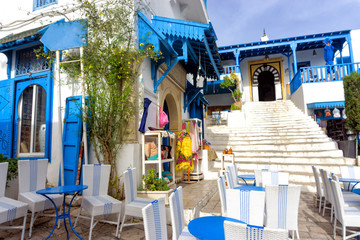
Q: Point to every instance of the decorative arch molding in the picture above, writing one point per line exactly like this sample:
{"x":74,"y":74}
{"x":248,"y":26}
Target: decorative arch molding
{"x":170,"y":96}
{"x":266,"y":68}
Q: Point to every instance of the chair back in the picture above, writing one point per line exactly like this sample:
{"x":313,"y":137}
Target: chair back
{"x":272,"y":168}
{"x":338,"y":200}
{"x":349,"y":172}
{"x":274,"y":178}
{"x":282,"y":205}
{"x":326,"y":184}
{"x":3,"y":177}
{"x":236,"y":230}
{"x":130,"y":185}
{"x":32,"y":175}
{"x":177,"y":212}
{"x":222,"y":193}
{"x":247,"y":206}
{"x":317,"y":181}
{"x":96,"y":177}
{"x":231,"y":178}
{"x":258,"y":177}
{"x":155,"y":220}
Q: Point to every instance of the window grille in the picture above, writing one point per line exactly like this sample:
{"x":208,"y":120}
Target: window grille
{"x":38,"y":4}
{"x":28,"y":63}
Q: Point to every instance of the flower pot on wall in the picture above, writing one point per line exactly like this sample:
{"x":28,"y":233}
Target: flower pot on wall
{"x":236,"y":106}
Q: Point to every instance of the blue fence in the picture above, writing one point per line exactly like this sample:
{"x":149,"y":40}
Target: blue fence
{"x":229,"y":69}
{"x":322,"y":74}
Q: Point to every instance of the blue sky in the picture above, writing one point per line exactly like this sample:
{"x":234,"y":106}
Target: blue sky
{"x":243,"y":21}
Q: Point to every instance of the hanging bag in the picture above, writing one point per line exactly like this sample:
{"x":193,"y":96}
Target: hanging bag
{"x":163,"y":118}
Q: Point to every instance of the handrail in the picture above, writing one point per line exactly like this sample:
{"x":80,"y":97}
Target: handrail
{"x":325,"y":73}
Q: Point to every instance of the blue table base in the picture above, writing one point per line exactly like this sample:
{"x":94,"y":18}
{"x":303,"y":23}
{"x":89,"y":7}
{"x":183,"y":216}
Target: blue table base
{"x":63,"y":216}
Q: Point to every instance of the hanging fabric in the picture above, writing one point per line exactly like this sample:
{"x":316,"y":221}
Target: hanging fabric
{"x":163,"y":118}
{"x":183,"y":152}
{"x":147,"y":103}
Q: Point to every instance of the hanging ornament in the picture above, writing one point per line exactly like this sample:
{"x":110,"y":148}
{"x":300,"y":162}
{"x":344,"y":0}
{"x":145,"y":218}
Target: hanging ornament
{"x":336,"y":113}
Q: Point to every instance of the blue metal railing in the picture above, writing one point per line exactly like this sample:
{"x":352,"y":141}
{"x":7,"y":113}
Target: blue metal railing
{"x":322,"y":74}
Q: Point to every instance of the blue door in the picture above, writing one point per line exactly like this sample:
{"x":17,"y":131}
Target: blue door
{"x":72,"y":134}
{"x":6,"y":116}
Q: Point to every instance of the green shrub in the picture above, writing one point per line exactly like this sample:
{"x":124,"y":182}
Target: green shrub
{"x":153,"y":183}
{"x":352,"y":101}
{"x":12,"y":168}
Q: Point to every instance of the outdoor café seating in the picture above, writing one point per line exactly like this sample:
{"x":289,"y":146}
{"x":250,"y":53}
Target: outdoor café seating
{"x":154,"y":216}
{"x":222,"y":192}
{"x":10,"y":209}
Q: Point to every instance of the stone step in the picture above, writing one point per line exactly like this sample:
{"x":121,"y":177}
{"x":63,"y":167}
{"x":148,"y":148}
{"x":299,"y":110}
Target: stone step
{"x":244,"y":154}
{"x":256,"y":129}
{"x":281,"y":147}
{"x":241,"y":141}
{"x":289,"y":134}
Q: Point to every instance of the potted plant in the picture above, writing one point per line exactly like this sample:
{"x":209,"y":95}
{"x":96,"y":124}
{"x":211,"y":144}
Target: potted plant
{"x":154,"y":187}
{"x":232,"y":83}
{"x":12,"y":173}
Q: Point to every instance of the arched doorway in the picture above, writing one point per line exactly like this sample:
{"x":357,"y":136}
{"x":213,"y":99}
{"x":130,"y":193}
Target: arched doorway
{"x":266,"y":86}
{"x":266,"y":83}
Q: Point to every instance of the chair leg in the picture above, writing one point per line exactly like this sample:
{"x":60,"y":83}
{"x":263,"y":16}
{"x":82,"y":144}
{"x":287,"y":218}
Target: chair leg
{"x":117,"y":226}
{"x":331,"y":213}
{"x":77,"y":217}
{"x":293,"y":234}
{"x":320,"y":204}
{"x":297,"y":234}
{"x":324,"y":207}
{"x":23,"y":228}
{"x":31,"y":223}
{"x":122,"y":223}
{"x":335,"y":228}
{"x":91,"y":226}
{"x":344,"y":232}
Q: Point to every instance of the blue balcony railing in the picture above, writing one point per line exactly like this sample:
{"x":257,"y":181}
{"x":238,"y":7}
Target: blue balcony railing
{"x":322,"y":74}
{"x":229,"y":69}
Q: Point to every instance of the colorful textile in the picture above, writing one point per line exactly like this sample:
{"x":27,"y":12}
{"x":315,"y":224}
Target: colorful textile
{"x":147,"y":102}
{"x":183,"y":152}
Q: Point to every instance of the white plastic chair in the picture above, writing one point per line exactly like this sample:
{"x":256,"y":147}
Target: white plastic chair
{"x":282,"y":207}
{"x":348,"y":217}
{"x":133,"y":204}
{"x":96,"y":201}
{"x":179,"y":230}
{"x":231,"y":176}
{"x":319,"y":195}
{"x":222,"y":193}
{"x":155,"y":220}
{"x":274,"y":178}
{"x":350,"y":172}
{"x":235,"y":230}
{"x":10,"y":209}
{"x":247,"y":206}
{"x":258,"y":176}
{"x":32,"y":177}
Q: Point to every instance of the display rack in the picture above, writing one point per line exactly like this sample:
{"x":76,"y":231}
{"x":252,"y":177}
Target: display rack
{"x":157,"y":136}
{"x":197,"y":174}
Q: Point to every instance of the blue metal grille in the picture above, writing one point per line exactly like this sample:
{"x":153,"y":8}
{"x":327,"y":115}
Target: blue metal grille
{"x":43,"y":3}
{"x":28,"y":63}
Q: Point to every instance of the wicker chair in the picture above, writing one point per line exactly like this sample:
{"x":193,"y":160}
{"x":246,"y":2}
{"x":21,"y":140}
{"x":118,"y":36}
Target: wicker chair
{"x":133,"y":204}
{"x":179,"y":230}
{"x":10,"y":209}
{"x":95,"y":200}
{"x":154,"y":215}
{"x":347,"y":216}
{"x":274,"y":178}
{"x":32,"y":177}
{"x":247,"y":206}
{"x":222,"y":193}
{"x":235,"y":230}
{"x":282,"y":205}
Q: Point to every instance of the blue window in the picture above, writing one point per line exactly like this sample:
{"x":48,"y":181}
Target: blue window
{"x":28,"y":63}
{"x":38,"y":4}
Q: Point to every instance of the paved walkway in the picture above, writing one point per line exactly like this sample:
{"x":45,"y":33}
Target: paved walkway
{"x":200,"y":199}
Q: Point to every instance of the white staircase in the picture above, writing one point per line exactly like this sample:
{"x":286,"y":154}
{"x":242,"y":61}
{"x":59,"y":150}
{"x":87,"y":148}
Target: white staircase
{"x":278,"y":133}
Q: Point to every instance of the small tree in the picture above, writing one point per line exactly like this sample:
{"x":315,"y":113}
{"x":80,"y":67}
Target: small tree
{"x":230,"y":82}
{"x":111,"y":70}
{"x":352,"y":102}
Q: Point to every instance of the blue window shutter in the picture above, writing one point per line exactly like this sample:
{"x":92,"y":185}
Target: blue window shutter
{"x":6,"y":116}
{"x":72,"y":134}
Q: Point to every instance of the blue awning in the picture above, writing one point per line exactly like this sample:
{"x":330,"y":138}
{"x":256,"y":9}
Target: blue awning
{"x":320,"y":105}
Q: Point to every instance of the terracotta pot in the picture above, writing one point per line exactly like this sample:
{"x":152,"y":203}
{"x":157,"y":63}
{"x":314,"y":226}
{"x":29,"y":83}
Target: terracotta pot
{"x":238,"y":104}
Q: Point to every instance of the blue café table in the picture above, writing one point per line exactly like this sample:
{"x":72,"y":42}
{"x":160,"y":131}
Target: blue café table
{"x":69,"y":189}
{"x":350,"y":180}
{"x":251,"y":188}
{"x":209,"y":227}
{"x":245,"y":177}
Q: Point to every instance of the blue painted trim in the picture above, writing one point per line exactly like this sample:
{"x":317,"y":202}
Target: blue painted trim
{"x":293,"y":46}
{"x":348,"y":39}
{"x":211,"y":57}
{"x":317,"y":105}
{"x":9,"y":55}
{"x":194,"y":56}
{"x":157,"y":82}
{"x":43,"y":6}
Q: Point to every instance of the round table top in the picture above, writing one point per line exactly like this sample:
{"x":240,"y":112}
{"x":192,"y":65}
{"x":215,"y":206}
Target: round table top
{"x":247,"y":176}
{"x":349,"y":180}
{"x":357,"y":191}
{"x":251,"y":188}
{"x":62,"y":189}
{"x":209,"y":227}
